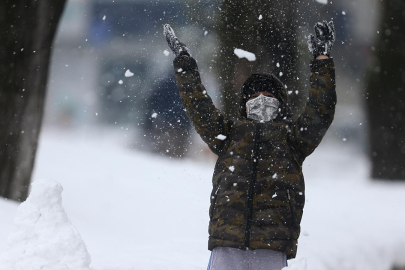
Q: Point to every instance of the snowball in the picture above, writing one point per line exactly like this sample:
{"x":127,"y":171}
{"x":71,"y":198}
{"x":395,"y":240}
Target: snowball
{"x":260,"y":17}
{"x":104,"y":18}
{"x":274,"y":176}
{"x":231,"y":168}
{"x":154,"y":115}
{"x":278,"y":65}
{"x":166,"y":52}
{"x":42,"y":236}
{"x":180,"y":70}
{"x":220,"y":137}
{"x":245,"y":54}
{"x":322,"y":1}
{"x":280,"y":74}
{"x":128,"y":73}
{"x":343,"y":12}
{"x":274,"y":195}
{"x":120,"y":82}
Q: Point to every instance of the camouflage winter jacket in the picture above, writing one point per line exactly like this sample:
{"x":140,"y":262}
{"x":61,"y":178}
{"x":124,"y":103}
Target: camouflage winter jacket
{"x":258,"y":191}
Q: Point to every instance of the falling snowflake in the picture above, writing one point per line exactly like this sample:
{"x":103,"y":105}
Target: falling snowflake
{"x":220,"y":137}
{"x":245,"y":54}
{"x":128,"y":73}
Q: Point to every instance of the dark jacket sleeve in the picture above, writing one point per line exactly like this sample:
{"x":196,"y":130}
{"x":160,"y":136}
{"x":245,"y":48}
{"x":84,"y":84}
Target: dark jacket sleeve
{"x":311,"y":126}
{"x":209,"y":122}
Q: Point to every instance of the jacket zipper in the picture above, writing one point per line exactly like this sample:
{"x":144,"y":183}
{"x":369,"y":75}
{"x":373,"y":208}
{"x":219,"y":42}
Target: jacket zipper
{"x":251,"y":186}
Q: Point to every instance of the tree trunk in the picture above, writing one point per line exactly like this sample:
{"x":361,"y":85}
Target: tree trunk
{"x":27,"y":29}
{"x":265,"y":28}
{"x":386,"y":95}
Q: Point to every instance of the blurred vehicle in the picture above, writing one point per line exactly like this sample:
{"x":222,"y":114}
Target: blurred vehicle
{"x":167,"y":127}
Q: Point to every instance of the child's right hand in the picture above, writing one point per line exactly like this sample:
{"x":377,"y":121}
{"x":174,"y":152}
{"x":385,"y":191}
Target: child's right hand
{"x":177,"y":47}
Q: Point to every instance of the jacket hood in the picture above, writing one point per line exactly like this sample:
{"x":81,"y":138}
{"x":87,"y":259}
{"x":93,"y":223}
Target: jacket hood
{"x":265,"y":82}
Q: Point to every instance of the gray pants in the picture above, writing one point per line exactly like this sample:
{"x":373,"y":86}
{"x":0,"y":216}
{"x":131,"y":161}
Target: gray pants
{"x":225,"y":258}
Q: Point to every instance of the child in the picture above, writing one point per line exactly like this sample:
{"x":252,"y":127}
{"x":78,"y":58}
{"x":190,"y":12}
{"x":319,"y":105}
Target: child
{"x":258,"y":191}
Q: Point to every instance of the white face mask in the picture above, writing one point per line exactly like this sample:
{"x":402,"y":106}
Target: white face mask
{"x":262,"y":108}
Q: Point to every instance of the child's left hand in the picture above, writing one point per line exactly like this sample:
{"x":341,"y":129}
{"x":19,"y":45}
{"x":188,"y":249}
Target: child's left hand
{"x":322,"y":43}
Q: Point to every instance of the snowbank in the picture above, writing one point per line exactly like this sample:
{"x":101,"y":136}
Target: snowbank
{"x":42,"y":236}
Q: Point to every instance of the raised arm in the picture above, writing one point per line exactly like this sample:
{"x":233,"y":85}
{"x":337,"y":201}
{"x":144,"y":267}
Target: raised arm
{"x":213,"y":127}
{"x":311,"y":126}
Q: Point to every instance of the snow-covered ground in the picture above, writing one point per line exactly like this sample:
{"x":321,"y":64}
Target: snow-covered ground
{"x":139,"y":211}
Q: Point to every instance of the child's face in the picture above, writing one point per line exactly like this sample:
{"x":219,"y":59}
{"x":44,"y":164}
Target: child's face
{"x":265,"y":93}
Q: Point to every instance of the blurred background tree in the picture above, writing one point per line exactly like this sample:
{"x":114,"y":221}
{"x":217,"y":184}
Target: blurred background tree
{"x":265,"y":28}
{"x":27,"y":29}
{"x":386,"y":95}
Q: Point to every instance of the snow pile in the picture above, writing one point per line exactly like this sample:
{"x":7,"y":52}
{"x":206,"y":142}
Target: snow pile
{"x":298,"y":264}
{"x":42,"y":236}
{"x":245,"y":54}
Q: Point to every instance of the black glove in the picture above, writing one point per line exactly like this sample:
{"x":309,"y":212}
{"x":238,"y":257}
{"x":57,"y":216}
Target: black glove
{"x":177,"y":47}
{"x":322,"y":43}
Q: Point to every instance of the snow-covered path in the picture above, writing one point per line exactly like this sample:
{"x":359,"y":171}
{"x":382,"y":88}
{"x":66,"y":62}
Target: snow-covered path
{"x":138,"y":211}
